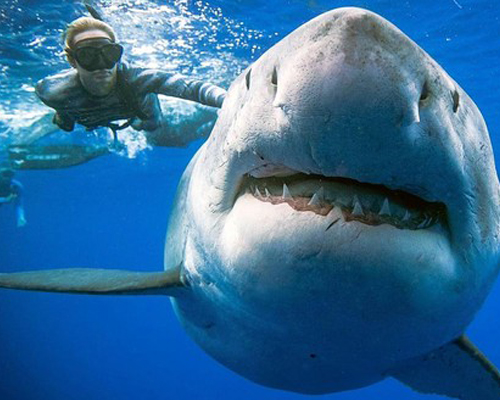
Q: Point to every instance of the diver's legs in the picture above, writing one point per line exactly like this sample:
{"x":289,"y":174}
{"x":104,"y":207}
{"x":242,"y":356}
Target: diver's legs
{"x":20,"y":217}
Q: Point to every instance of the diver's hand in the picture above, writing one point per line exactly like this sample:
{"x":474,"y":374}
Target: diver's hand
{"x":63,"y":123}
{"x":137,"y":124}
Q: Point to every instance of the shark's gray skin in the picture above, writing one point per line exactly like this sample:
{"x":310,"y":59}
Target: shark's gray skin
{"x":339,"y":226}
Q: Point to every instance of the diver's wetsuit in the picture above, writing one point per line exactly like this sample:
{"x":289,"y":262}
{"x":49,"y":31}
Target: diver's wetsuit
{"x":134,"y":96}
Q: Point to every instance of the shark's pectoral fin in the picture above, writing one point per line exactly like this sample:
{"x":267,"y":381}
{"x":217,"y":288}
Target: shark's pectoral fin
{"x":95,"y":281}
{"x":458,"y":370}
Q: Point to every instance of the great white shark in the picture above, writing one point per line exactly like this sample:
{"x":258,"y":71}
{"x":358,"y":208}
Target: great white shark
{"x":339,"y":226}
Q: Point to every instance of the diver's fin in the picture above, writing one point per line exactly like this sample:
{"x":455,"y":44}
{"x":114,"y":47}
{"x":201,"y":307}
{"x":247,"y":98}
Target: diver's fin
{"x":458,"y":370}
{"x":95,"y":281}
{"x":52,"y":156}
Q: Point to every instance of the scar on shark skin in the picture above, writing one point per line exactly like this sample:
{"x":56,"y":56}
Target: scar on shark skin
{"x":332,"y":223}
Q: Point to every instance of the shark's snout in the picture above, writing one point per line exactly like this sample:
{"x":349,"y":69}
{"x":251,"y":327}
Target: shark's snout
{"x":354,"y":99}
{"x":354,"y":63}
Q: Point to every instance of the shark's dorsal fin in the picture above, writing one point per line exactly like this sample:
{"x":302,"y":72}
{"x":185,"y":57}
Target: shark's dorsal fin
{"x":458,"y":370}
{"x":95,"y":281}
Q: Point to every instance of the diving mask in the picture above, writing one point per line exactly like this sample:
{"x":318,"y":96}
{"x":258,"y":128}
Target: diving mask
{"x":95,"y":54}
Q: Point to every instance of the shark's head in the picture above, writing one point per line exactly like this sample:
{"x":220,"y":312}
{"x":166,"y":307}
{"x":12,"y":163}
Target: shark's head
{"x":344,"y":208}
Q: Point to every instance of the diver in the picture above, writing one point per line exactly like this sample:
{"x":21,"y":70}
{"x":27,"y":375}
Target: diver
{"x":11,"y":191}
{"x":101,"y":89}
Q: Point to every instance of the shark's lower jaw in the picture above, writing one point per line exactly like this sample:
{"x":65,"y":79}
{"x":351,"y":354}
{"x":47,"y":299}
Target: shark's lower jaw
{"x":366,"y":203}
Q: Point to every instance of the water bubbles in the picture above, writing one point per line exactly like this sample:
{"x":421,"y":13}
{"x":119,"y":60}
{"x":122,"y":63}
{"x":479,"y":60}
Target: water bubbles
{"x":184,"y":34}
{"x":132,"y":143}
{"x":27,"y":88}
{"x":37,"y":41}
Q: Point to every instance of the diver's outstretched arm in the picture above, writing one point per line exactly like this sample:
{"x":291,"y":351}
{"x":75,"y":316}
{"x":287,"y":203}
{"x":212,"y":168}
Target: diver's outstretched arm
{"x":161,"y":82}
{"x":179,"y":135}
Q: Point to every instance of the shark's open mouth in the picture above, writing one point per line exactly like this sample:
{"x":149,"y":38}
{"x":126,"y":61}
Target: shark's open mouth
{"x":367,"y":203}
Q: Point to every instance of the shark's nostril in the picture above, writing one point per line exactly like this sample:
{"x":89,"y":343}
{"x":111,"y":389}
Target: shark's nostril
{"x":247,"y":78}
{"x":456,"y":100}
{"x":274,"y":77}
{"x":425,"y":93}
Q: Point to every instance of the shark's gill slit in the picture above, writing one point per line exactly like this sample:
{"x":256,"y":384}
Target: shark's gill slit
{"x":371,"y":204}
{"x":247,"y":78}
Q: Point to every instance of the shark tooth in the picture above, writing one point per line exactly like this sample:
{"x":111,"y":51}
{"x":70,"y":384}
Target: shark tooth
{"x":268,"y":195}
{"x":321,"y":193}
{"x":385,"y":210}
{"x":407,"y":216}
{"x":357,"y":211}
{"x":257,"y":192}
{"x":423,"y":224}
{"x":315,"y":201}
{"x":336,"y":213}
{"x":317,"y":197}
{"x":286,"y":193}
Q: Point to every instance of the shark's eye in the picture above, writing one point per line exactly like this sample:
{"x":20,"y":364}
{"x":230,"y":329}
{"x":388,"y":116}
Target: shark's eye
{"x":247,"y":78}
{"x":274,"y":77}
{"x":456,"y":100}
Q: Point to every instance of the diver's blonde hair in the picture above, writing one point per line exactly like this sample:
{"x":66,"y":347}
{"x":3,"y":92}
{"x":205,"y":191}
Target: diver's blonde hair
{"x":83,"y":24}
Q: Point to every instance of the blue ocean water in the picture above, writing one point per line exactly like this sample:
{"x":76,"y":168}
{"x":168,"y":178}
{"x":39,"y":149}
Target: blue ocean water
{"x":112,"y":212}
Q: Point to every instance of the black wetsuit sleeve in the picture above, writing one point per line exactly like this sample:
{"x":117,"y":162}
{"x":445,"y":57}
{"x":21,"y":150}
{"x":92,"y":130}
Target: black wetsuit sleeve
{"x":162,"y":82}
{"x":46,"y":93}
{"x":43,"y":91}
{"x":49,"y":94}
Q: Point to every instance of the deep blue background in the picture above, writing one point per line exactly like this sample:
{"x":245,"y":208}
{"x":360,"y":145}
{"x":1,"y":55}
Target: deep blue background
{"x":112,"y":212}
